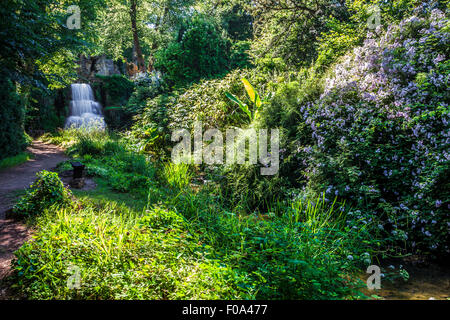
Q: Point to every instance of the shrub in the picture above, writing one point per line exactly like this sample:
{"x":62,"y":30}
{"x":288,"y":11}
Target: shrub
{"x":243,"y":186}
{"x":45,"y":109}
{"x":13,"y":139}
{"x":46,"y":191}
{"x":205,"y":101}
{"x":377,"y":133}
{"x":89,"y":142}
{"x":200,"y":51}
{"x":373,"y":129}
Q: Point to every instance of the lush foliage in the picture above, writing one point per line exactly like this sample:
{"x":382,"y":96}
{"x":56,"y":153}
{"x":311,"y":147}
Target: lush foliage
{"x":377,"y":133}
{"x":109,"y":158}
{"x":290,"y":29}
{"x":177,"y":176}
{"x":15,"y":160}
{"x":34,"y":36}
{"x":47,"y":191}
{"x":253,"y":111}
{"x":45,"y":110}
{"x":118,"y":88}
{"x":384,"y":114}
{"x":200,"y":51}
{"x":118,"y":254}
{"x":13,"y":139}
{"x":357,"y":89}
{"x":358,"y":119}
{"x":38,"y":52}
{"x":302,"y":251}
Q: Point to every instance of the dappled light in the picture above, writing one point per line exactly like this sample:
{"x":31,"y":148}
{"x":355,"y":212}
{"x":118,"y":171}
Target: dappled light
{"x":224,"y":150}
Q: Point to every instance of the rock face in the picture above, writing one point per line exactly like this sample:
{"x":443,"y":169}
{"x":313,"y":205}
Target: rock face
{"x":90,"y":66}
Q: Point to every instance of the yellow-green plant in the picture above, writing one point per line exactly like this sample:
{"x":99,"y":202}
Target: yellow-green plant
{"x":254,"y":98}
{"x":177,"y":175}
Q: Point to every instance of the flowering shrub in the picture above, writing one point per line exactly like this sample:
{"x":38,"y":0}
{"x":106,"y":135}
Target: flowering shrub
{"x":372,"y":130}
{"x":205,"y":101}
{"x":379,"y":133}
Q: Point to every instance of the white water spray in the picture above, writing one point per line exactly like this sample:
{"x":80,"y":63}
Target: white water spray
{"x":84,"y":110}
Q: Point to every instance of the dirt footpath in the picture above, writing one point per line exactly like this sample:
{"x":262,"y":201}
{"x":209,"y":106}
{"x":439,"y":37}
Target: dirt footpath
{"x":46,"y":157}
{"x":12,"y":233}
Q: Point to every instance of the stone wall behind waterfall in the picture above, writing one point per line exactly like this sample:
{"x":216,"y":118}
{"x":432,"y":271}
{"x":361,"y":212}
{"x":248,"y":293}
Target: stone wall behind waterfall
{"x":92,"y":65}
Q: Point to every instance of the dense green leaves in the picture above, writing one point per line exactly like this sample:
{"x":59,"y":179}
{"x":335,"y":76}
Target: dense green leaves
{"x":47,"y":191}
{"x":33,"y":31}
{"x":200,"y":51}
{"x":13,"y":139}
{"x":254,"y":97}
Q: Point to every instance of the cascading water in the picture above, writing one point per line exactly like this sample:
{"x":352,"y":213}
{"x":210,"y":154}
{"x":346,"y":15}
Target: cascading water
{"x":85,"y":112}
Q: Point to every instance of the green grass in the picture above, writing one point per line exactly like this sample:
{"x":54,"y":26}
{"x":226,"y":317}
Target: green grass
{"x":177,"y":176}
{"x":15,"y":160}
{"x":119,"y":254}
{"x":64,"y":138}
{"x":299,"y":254}
{"x":104,"y":193}
{"x":156,"y":238}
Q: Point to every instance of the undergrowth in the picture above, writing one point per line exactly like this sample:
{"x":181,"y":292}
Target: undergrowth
{"x":184,"y":242}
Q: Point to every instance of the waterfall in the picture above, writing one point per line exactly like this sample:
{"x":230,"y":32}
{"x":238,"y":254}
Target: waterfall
{"x":84,"y":110}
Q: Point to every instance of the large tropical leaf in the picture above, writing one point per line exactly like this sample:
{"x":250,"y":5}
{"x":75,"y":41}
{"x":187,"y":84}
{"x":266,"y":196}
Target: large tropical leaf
{"x":242,"y":105}
{"x":250,"y":90}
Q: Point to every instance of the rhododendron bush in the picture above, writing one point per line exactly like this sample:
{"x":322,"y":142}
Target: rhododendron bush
{"x":379,"y":133}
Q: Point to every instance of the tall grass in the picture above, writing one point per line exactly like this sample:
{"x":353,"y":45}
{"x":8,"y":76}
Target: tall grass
{"x":298,"y":254}
{"x":118,"y":254}
{"x":177,"y":176}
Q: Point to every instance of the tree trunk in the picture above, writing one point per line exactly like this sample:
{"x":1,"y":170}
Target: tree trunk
{"x":137,"y":46}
